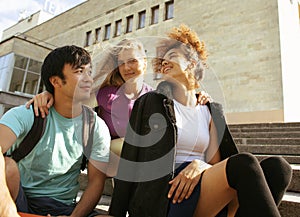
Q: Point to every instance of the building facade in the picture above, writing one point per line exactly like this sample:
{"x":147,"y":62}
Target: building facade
{"x":253,"y":48}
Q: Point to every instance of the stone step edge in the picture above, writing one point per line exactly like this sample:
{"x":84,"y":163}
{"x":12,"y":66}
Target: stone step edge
{"x":291,"y":197}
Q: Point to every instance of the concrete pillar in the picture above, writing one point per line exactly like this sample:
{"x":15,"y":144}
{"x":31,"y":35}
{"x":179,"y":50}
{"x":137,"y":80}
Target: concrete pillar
{"x":290,"y":52}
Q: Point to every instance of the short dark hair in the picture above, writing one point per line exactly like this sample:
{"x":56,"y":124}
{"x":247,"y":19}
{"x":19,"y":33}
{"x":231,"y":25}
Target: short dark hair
{"x":54,"y":63}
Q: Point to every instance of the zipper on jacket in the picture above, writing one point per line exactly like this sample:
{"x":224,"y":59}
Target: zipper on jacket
{"x":167,"y":104}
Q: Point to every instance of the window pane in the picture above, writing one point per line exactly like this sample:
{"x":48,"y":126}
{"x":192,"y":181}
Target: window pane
{"x":169,"y":10}
{"x":142,"y":17}
{"x":21,"y":62}
{"x":88,"y":41}
{"x":35,"y":66}
{"x":41,"y":87}
{"x":31,"y":83}
{"x":16,"y":80}
{"x":98,"y":34}
{"x":155,"y":14}
{"x":129,"y":24}
{"x":107,"y":32}
{"x":118,"y":29}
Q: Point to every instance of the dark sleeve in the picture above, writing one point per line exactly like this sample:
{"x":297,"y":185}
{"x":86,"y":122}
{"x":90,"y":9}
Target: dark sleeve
{"x":141,"y":188}
{"x":225,"y":140}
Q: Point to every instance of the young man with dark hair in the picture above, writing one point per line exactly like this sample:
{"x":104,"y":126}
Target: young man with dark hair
{"x":46,"y":180}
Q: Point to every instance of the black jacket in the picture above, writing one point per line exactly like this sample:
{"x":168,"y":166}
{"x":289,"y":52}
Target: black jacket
{"x":148,"y":156}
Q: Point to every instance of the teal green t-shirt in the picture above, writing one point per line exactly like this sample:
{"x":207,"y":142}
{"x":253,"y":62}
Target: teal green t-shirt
{"x":52,"y":168}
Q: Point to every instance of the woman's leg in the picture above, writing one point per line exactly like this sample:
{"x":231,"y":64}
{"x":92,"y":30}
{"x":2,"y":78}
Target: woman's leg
{"x":12,"y":177}
{"x":7,"y":205}
{"x":244,"y":173}
{"x":215,"y":191}
{"x":278,"y":174}
{"x":251,"y":180}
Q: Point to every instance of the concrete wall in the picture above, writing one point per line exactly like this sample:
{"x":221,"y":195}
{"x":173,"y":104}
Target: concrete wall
{"x":243,"y":39}
{"x":26,"y":24}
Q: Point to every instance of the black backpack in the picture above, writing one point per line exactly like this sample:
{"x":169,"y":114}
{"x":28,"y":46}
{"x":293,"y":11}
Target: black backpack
{"x":37,"y":130}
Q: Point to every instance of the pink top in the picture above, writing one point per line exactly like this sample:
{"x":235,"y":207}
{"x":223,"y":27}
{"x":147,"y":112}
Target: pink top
{"x":115,"y":108}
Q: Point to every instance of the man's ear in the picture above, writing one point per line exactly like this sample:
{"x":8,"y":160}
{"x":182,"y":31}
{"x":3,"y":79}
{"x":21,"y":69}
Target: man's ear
{"x":55,"y":81}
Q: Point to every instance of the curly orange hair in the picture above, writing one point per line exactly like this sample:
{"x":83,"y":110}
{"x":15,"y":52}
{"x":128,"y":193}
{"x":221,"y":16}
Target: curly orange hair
{"x":181,"y":35}
{"x":185,"y":35}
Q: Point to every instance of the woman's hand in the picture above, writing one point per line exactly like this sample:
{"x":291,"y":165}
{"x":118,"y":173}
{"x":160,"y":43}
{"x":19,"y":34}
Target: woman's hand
{"x":203,"y":98}
{"x":184,"y":183}
{"x":42,"y":102}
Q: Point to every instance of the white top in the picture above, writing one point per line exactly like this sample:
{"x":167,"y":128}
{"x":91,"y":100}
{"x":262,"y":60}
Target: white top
{"x":193,"y":132}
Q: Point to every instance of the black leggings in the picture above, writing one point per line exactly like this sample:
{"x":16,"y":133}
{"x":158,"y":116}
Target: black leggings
{"x":260,"y":186}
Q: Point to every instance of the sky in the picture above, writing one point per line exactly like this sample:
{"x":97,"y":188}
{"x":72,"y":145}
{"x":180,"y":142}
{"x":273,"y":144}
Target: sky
{"x":12,"y":10}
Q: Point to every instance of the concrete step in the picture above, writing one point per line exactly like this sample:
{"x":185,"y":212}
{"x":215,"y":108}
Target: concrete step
{"x":264,"y":129}
{"x":274,"y":139}
{"x":270,"y":149}
{"x":292,"y":159}
{"x":268,"y":141}
{"x":290,"y":205}
{"x":103,"y":204}
{"x":268,"y":134}
{"x":265,"y":125}
{"x":295,"y":182}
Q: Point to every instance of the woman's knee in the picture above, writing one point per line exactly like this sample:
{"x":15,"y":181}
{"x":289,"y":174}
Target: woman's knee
{"x":242,"y":166}
{"x":11,"y":171}
{"x":278,"y":170}
{"x":277,"y":165}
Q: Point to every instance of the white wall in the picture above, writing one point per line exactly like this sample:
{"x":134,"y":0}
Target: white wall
{"x":290,"y":58}
{"x":6,"y":71}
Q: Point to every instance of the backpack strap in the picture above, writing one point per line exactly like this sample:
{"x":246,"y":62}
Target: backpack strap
{"x":31,"y":139}
{"x":38,"y":128}
{"x":88,"y":127}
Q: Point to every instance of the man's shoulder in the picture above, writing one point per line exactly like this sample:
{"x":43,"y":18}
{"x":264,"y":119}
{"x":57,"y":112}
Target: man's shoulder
{"x":22,"y":108}
{"x":20,"y":111}
{"x":19,"y":119}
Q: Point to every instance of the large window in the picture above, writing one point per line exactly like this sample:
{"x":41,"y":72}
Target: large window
{"x":88,"y":39}
{"x":118,"y":28}
{"x":129,"y":23}
{"x":142,"y":18}
{"x":107,"y":31}
{"x":154,"y":14}
{"x":26,"y":76}
{"x":169,"y":13}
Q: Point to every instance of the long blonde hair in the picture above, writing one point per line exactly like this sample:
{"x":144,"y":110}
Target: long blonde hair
{"x":114,"y":78}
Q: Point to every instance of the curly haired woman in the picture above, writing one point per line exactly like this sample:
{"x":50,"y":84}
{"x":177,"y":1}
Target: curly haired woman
{"x":179,"y":159}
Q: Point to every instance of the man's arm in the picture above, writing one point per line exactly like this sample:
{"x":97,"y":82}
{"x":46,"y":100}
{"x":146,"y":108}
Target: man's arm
{"x":7,"y":137}
{"x":93,"y":192}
